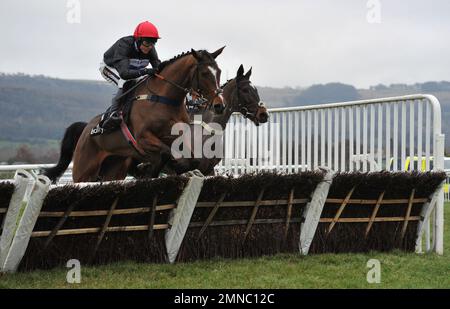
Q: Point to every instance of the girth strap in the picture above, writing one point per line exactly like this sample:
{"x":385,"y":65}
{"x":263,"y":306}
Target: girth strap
{"x":158,"y":99}
{"x":130,"y":138}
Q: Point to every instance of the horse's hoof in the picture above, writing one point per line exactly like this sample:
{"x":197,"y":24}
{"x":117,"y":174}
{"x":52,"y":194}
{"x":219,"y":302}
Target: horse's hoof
{"x":143,"y":170}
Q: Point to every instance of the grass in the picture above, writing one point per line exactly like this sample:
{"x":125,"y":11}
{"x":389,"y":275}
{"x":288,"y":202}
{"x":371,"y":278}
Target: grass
{"x":398,"y":270}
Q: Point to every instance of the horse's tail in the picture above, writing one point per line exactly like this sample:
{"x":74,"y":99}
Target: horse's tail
{"x":68,"y":144}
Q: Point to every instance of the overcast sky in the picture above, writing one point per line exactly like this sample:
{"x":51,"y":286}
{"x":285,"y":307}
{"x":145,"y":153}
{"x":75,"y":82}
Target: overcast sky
{"x":288,"y":43}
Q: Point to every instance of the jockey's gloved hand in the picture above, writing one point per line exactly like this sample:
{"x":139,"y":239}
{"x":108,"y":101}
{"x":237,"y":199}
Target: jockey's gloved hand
{"x":147,"y":71}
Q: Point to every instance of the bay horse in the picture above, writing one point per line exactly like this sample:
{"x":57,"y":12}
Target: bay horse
{"x":240,"y":96}
{"x":150,"y":122}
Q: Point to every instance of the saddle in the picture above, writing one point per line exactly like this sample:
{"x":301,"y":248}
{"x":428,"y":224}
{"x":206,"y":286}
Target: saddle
{"x":127,"y":101}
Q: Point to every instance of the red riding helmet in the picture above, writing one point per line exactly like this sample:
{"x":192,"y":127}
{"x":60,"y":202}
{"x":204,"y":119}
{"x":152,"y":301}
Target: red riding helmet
{"x":146,"y":30}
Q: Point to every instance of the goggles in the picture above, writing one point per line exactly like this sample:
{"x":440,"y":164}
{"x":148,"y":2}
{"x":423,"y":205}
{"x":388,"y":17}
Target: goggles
{"x":147,"y":42}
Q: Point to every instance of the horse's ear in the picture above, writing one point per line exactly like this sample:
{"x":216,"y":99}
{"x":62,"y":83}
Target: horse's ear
{"x":196,"y":54}
{"x":249,"y":73}
{"x":217,"y":52}
{"x":240,"y":72}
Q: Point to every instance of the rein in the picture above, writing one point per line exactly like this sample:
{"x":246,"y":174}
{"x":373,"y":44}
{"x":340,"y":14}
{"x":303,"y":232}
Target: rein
{"x":161,"y":99}
{"x":185,"y":90}
{"x":165,"y":100}
{"x":135,"y":86}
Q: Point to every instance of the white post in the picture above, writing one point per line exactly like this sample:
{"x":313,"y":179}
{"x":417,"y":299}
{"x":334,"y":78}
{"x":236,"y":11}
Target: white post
{"x":17,"y":202}
{"x":313,"y":211}
{"x":425,"y":214}
{"x":26,"y":220}
{"x":180,"y":217}
{"x":439,"y":213}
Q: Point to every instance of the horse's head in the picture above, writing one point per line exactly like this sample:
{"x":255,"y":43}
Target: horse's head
{"x":206,"y":78}
{"x":246,"y":98}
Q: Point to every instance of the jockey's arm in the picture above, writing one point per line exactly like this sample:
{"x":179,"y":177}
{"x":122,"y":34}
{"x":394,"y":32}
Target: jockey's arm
{"x":123,"y":65}
{"x":125,"y":72}
{"x":122,"y":62}
{"x":154,"y":59}
{"x":128,"y":71}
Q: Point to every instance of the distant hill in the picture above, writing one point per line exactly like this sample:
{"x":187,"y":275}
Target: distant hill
{"x":35,"y":108}
{"x":40,"y":107}
{"x":316,"y":94}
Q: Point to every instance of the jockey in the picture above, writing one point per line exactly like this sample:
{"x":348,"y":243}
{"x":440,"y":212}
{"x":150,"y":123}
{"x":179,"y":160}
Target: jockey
{"x":128,"y":59}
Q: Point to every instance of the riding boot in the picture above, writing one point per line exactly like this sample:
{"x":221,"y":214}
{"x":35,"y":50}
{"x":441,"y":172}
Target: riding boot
{"x":114,"y":118}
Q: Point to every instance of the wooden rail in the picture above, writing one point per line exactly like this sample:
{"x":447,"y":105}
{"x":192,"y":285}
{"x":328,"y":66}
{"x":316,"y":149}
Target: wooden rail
{"x":93,"y":230}
{"x":290,"y":217}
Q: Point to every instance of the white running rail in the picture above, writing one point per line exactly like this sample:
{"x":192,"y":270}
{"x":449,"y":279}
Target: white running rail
{"x":366,"y":135}
{"x":37,"y":168}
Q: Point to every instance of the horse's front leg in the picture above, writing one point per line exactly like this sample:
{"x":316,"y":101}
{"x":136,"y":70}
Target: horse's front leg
{"x":157,"y":153}
{"x":115,"y":168}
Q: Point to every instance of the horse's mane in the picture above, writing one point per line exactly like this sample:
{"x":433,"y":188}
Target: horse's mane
{"x":165,"y":63}
{"x":227,"y":82}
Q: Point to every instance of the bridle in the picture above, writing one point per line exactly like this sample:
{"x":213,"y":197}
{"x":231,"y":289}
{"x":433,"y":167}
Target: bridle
{"x":197,"y":91}
{"x":193,"y":91}
{"x":240,"y":108}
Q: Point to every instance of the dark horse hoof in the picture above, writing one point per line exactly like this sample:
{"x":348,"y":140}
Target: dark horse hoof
{"x":183,"y":166}
{"x":143,"y":170}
